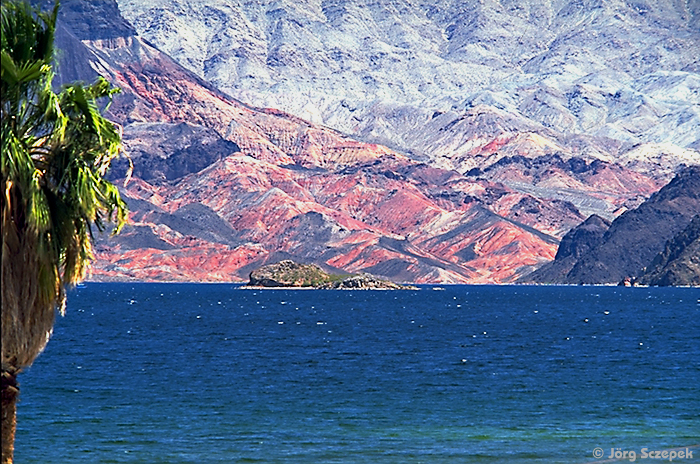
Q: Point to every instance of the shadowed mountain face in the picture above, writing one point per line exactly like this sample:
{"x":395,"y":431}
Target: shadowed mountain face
{"x":458,"y":83}
{"x":575,"y":244}
{"x":599,"y":252}
{"x":163,"y":152}
{"x":221,"y":187}
{"x":679,"y":262}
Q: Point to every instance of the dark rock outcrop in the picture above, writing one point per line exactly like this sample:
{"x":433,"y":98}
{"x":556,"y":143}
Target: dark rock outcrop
{"x":105,"y":20}
{"x":163,"y":152}
{"x":679,"y":262}
{"x":631,"y":242}
{"x":573,"y":246}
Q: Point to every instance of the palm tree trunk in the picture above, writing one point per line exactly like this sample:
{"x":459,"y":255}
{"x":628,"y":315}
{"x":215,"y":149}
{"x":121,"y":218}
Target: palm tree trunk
{"x":10,"y":391}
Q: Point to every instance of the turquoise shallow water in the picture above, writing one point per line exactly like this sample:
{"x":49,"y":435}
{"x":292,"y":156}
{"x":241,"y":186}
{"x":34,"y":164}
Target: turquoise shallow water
{"x":197,"y":373}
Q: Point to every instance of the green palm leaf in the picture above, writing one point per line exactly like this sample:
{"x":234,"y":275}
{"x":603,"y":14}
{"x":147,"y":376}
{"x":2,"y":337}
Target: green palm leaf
{"x":56,"y":149}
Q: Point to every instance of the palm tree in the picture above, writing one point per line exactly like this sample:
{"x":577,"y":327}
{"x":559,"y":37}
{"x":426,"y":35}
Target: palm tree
{"x":56,"y":149}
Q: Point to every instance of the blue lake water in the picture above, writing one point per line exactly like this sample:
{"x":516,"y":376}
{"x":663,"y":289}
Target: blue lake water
{"x":197,"y":373}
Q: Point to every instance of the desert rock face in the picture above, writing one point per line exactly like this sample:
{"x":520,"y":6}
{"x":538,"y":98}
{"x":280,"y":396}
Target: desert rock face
{"x":575,"y":244}
{"x":656,"y":241}
{"x":679,"y":262}
{"x":222,"y":187}
{"x":457,"y":83}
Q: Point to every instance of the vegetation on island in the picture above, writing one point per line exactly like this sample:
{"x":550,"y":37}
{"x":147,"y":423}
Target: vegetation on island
{"x":56,"y":149}
{"x":287,"y":273}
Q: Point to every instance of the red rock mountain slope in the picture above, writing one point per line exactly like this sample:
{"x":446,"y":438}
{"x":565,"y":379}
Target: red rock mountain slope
{"x":220,"y":188}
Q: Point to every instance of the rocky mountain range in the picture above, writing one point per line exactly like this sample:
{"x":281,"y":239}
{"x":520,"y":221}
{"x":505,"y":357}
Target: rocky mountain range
{"x":460,"y":84}
{"x":221,"y":187}
{"x":655,"y":243}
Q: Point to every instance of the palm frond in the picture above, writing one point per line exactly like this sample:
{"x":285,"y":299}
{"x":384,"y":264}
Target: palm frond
{"x":56,"y":149}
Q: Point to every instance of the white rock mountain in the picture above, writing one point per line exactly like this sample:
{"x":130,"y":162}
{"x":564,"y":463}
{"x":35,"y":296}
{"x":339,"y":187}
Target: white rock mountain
{"x":459,"y":83}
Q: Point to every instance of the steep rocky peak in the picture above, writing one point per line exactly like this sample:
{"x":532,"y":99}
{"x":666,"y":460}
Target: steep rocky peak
{"x":685,"y":183}
{"x":601,"y":252}
{"x":583,"y":238}
{"x":105,"y":21}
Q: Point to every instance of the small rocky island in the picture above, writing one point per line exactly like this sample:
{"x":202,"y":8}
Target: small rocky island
{"x":287,"y":273}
